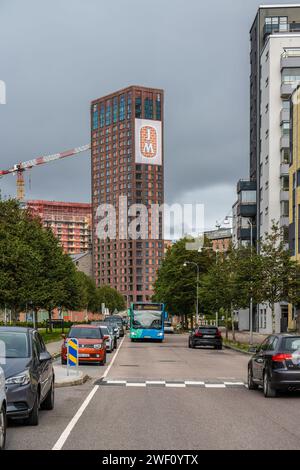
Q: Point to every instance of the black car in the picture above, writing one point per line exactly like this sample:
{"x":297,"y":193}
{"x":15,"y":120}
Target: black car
{"x":276,"y":365}
{"x":118,"y":320}
{"x":29,"y":375}
{"x":206,"y":336}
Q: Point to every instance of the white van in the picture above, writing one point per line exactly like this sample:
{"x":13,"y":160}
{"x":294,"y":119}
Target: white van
{"x":2,"y":410}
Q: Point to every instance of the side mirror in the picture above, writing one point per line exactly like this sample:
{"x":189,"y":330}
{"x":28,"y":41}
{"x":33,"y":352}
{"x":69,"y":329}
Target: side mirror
{"x":45,"y":356}
{"x":253,"y":349}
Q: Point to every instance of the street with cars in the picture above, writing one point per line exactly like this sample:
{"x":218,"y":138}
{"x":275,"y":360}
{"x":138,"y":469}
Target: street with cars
{"x":174,"y":394}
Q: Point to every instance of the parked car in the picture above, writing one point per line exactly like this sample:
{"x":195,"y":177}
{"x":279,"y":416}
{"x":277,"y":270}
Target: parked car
{"x":168,"y":327}
{"x":29,"y":374}
{"x":118,"y":320}
{"x":91,"y":341}
{"x":115,"y":326}
{"x":276,"y":365}
{"x":113,"y":332}
{"x":206,"y":336}
{"x":3,"y":421}
{"x":106,"y":331}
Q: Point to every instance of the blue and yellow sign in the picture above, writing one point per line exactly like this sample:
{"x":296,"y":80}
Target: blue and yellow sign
{"x":73,"y":349}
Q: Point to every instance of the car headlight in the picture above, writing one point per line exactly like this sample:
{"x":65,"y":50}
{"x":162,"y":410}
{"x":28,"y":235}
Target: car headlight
{"x":159,"y":334}
{"x":20,"y":379}
{"x":97,"y":346}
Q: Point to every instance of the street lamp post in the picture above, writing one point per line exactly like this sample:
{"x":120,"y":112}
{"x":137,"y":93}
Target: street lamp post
{"x":197,"y":290}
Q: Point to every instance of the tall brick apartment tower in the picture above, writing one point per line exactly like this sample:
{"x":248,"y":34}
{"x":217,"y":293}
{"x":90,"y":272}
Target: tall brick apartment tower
{"x":127,"y":160}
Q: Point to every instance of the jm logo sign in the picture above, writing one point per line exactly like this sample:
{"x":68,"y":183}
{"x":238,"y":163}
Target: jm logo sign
{"x":2,"y":92}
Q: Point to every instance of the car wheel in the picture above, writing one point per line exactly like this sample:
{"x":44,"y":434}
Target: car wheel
{"x":3,"y":425}
{"x":190,"y":343}
{"x":33,"y":419}
{"x":269,"y":391}
{"x":48,"y":403}
{"x":251,"y":385}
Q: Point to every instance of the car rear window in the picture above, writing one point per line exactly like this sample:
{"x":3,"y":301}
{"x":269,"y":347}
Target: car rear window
{"x":86,"y":333}
{"x":207,"y":330}
{"x":290,"y":344}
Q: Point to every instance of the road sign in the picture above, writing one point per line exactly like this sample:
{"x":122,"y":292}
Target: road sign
{"x":72,"y":353}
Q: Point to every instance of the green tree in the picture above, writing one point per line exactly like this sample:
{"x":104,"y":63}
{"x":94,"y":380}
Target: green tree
{"x":112,"y":299}
{"x":176,"y":285}
{"x":280,"y":274}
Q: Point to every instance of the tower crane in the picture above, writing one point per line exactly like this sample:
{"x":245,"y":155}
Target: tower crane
{"x":20,"y":168}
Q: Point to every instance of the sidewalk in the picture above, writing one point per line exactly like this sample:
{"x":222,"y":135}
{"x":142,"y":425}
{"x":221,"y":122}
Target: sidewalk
{"x":243,"y":337}
{"x":54,"y":348}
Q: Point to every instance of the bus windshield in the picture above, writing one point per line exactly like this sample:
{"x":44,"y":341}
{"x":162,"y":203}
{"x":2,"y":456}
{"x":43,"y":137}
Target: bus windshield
{"x":147,"y":319}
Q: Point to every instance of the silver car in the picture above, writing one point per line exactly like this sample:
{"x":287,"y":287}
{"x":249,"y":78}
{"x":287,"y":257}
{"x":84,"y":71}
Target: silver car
{"x":2,"y":410}
{"x":110,"y":343}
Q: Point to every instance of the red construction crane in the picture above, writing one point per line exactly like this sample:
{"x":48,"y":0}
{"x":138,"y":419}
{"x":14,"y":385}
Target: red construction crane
{"x":19,"y":168}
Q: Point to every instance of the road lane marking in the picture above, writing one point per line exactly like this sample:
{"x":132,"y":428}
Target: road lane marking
{"x":137,"y":384}
{"x":170,"y":385}
{"x":193,"y":382}
{"x":155,"y":382}
{"x":112,"y":382}
{"x":215,"y":386}
{"x":64,"y":436}
{"x":234,"y":383}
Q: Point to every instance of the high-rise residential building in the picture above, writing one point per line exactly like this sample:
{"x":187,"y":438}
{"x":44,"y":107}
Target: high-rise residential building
{"x":127,"y":170}
{"x":71,"y":223}
{"x":264,"y":198}
{"x":294,"y":195}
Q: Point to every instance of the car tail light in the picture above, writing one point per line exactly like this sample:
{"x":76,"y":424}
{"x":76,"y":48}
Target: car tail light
{"x":198,"y":333}
{"x":218,"y":334}
{"x":281,"y":357}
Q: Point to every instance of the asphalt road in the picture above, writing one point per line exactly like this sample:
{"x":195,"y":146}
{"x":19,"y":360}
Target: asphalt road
{"x":165,"y":396}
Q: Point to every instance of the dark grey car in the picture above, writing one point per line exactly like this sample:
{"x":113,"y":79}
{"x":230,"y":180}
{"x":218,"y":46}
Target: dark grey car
{"x":29,"y":374}
{"x":276,"y":365}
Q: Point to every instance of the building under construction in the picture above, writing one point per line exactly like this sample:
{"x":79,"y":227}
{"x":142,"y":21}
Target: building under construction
{"x":70,"y":222}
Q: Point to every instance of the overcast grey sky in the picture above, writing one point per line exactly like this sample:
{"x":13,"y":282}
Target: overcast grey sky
{"x":58,"y":55}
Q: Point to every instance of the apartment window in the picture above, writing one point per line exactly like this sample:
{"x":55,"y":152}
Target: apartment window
{"x":290,"y":75}
{"x":158,"y":107}
{"x":95,"y":117}
{"x":286,"y":104}
{"x":284,"y":209}
{"x":115,"y":110}
{"x":108,"y":113}
{"x":285,"y":183}
{"x":285,"y":155}
{"x":148,"y":108}
{"x":285,"y":128}
{"x":138,"y":107}
{"x":122,"y":107}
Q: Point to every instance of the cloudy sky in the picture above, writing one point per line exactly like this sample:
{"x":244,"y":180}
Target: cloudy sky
{"x":58,"y":55}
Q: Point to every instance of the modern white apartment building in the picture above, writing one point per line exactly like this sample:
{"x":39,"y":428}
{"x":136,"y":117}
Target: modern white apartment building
{"x":274,"y":72}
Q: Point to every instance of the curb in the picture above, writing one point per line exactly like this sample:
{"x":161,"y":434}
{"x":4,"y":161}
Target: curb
{"x":238,"y":350}
{"x":78,"y":381}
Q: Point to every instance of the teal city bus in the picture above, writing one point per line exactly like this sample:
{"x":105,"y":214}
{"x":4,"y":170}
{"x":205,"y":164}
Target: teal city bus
{"x":147,"y":321}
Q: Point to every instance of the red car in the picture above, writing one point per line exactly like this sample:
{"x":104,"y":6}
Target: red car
{"x":92,"y":344}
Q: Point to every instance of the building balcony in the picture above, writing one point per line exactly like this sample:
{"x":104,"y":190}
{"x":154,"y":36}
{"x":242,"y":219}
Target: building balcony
{"x":284,"y":221}
{"x":284,"y":115}
{"x":285,"y":141}
{"x":289,"y":61}
{"x":244,"y":233}
{"x":286,"y":89}
{"x":284,"y":169}
{"x":246,"y":185}
{"x":246,"y":209}
{"x":284,"y":195}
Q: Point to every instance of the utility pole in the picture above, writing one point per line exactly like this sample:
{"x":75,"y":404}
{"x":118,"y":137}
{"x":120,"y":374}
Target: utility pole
{"x":197,"y":288}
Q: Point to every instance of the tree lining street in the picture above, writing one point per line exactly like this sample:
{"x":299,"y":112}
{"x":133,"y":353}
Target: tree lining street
{"x":122,"y":417}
